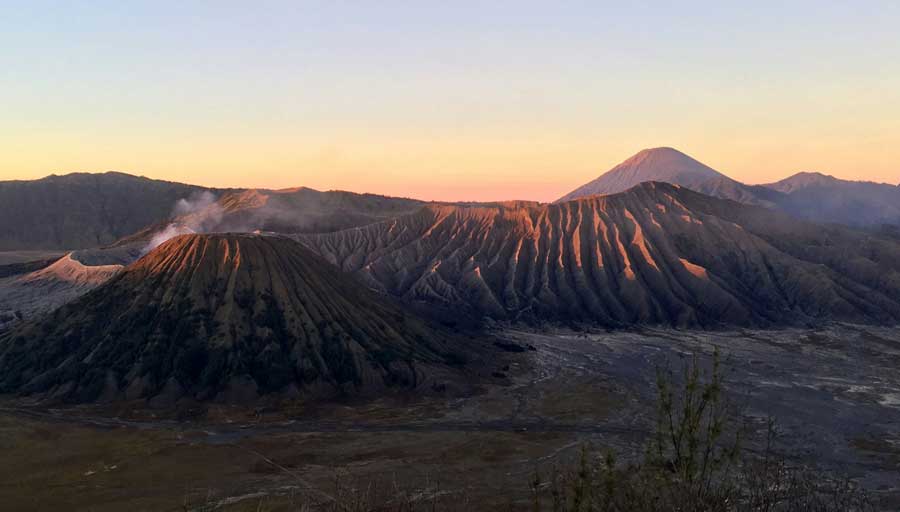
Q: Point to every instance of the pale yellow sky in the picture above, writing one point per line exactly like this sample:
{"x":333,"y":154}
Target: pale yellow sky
{"x":447,"y":101}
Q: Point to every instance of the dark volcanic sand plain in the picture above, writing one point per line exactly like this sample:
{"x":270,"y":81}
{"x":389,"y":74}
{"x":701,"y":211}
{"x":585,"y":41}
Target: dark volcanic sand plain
{"x":834,"y":391}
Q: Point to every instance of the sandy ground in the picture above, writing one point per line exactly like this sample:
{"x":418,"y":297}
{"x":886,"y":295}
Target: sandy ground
{"x":11,"y":257}
{"x":835,"y":393}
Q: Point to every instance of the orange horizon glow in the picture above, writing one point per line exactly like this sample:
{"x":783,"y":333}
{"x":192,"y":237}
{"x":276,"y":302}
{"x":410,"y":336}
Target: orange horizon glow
{"x":447,"y":101}
{"x":538,"y":172}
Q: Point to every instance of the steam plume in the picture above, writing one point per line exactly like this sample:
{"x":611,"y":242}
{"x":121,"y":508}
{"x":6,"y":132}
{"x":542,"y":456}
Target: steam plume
{"x":198,"y":213}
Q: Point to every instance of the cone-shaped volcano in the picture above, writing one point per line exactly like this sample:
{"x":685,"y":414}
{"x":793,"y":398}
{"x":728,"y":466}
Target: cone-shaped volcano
{"x":223,"y":316}
{"x":669,"y":166}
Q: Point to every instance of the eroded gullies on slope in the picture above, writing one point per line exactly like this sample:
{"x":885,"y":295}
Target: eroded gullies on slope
{"x":657,"y":254}
{"x":228,"y":317}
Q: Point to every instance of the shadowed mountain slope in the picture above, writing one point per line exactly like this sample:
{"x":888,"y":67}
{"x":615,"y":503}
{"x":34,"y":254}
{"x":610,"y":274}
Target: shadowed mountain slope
{"x":300,"y":210}
{"x":223,"y":316}
{"x":82,"y":210}
{"x":657,"y":254}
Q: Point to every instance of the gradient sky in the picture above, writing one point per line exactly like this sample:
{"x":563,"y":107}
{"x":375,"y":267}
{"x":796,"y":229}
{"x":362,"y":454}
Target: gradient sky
{"x":446,"y":100}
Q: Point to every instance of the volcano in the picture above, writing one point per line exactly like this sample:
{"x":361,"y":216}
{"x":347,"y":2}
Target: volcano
{"x":224,"y":316}
{"x":670,"y":166}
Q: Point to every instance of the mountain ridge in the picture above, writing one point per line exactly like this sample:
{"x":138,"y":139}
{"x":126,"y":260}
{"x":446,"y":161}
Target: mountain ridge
{"x":90,"y":210}
{"x":82,"y":210}
{"x":656,"y":254}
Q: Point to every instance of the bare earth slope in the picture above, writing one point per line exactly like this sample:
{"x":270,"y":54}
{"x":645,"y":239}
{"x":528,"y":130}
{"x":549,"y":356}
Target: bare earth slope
{"x":34,"y":293}
{"x":227,"y":316}
{"x":82,"y":210}
{"x":655,"y":254}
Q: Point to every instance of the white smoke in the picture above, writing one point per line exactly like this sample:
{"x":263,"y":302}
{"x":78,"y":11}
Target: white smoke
{"x":170,"y":231}
{"x":199,"y":213}
{"x":197,"y":202}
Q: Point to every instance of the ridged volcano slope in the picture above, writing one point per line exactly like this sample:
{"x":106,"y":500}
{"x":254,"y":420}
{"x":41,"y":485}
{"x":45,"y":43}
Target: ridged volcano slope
{"x":657,"y":254}
{"x":222,"y":315}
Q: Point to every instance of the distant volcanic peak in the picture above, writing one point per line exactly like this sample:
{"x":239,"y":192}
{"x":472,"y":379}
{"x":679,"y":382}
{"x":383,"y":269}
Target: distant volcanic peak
{"x":659,"y":159}
{"x":657,"y":164}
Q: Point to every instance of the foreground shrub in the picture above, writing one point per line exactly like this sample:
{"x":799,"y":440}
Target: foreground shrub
{"x":695,"y":462}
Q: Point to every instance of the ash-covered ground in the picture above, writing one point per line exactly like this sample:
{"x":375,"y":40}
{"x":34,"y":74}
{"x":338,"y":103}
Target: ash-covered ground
{"x":834,"y":391}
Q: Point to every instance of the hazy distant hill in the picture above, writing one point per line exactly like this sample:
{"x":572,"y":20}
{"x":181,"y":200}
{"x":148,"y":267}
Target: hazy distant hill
{"x":655,"y":254}
{"x":82,"y":210}
{"x":228,"y":316}
{"x":298,"y":210}
{"x":304,"y":210}
{"x":825,"y":198}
